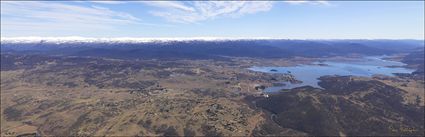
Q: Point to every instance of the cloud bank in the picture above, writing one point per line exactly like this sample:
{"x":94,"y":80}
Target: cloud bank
{"x":190,"y":12}
{"x":37,"y":18}
{"x":28,"y":16}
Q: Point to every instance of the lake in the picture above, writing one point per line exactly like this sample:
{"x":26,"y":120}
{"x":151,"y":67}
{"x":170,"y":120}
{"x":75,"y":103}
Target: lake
{"x":309,"y":73}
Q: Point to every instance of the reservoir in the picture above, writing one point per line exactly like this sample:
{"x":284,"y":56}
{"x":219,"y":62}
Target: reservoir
{"x":309,"y":73}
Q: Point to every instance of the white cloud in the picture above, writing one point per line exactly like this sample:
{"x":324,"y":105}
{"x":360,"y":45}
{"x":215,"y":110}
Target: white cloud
{"x":109,"y":2}
{"x":314,"y":2}
{"x":190,"y":12}
{"x":169,"y":4}
{"x":38,"y":16}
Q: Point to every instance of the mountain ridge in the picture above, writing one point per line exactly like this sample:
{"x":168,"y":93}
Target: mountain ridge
{"x":78,"y":39}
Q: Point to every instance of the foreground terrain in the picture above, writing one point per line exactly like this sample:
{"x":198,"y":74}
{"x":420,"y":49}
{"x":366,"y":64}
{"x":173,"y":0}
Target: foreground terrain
{"x":69,"y":89}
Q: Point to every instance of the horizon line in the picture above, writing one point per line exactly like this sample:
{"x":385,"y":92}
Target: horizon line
{"x":184,"y":38}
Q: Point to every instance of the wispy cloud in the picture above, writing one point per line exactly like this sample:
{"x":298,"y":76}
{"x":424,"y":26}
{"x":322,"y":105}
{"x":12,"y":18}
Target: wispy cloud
{"x":314,"y":2}
{"x":109,"y":2}
{"x":190,"y":12}
{"x":169,"y":5}
{"x":53,"y":16}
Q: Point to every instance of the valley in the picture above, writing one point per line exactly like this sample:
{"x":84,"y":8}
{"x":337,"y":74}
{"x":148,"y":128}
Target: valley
{"x":145,"y":90}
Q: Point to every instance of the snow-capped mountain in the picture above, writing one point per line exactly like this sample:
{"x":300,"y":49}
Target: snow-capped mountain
{"x":74,"y":39}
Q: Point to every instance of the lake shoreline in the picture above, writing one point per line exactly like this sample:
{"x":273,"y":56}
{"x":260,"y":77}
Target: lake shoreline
{"x":309,"y":74}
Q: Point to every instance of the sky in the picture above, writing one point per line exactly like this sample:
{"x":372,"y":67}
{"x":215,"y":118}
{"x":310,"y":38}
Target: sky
{"x":236,"y":19}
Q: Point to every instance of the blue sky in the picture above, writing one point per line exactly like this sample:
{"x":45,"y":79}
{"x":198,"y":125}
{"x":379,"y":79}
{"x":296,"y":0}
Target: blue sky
{"x":274,"y":19}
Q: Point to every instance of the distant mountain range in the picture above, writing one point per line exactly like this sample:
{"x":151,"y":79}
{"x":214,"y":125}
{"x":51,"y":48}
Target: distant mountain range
{"x":118,"y":39}
{"x":74,"y":39}
{"x":204,"y":48}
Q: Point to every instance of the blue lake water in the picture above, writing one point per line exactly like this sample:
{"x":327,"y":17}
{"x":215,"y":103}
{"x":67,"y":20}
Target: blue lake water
{"x":310,"y":73}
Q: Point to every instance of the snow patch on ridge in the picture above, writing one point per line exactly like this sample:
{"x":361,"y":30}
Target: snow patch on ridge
{"x":77,"y":39}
